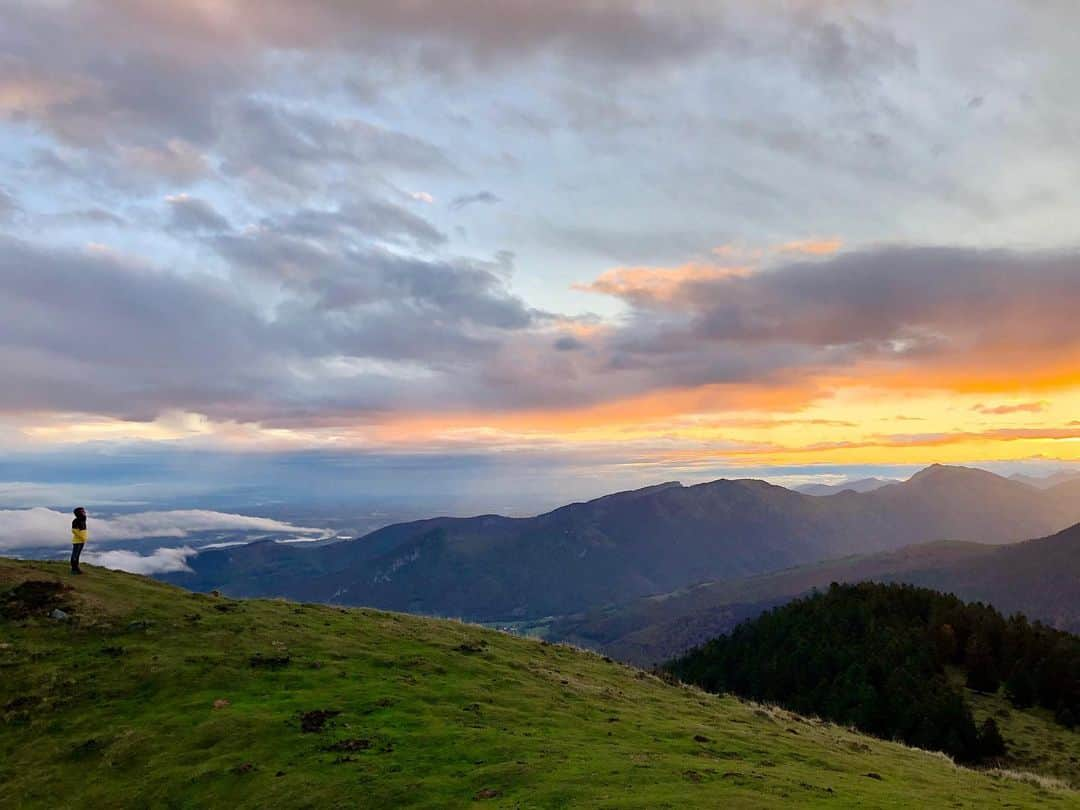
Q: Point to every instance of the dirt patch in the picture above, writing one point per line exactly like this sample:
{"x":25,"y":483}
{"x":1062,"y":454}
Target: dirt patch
{"x":260,"y":661}
{"x":34,"y":597}
{"x":487,"y":793}
{"x":470,"y":647}
{"x":315,"y":721}
{"x":21,"y":703}
{"x":353,"y":744}
{"x":87,"y":748}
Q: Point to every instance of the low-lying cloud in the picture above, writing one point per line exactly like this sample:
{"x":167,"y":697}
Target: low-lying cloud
{"x":46,"y":528}
{"x":160,"y":561}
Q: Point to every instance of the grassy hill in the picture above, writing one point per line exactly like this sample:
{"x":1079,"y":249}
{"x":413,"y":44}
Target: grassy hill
{"x":148,"y":695}
{"x":1035,"y":741}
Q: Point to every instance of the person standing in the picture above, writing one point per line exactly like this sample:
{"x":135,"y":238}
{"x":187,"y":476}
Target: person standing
{"x":78,"y":539}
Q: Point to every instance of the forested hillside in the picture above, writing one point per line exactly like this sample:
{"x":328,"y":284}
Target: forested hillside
{"x":878,"y":657}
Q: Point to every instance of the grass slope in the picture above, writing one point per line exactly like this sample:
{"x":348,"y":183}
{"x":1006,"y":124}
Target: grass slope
{"x":1034,"y":742}
{"x":116,"y":707}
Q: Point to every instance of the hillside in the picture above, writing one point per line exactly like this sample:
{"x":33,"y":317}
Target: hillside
{"x":629,"y":544}
{"x":1040,"y":578}
{"x":893,"y":660}
{"x":148,"y":695}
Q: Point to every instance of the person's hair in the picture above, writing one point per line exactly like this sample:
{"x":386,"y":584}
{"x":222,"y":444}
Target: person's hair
{"x":78,"y":509}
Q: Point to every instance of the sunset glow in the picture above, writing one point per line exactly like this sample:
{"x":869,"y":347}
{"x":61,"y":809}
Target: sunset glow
{"x":803,"y":237}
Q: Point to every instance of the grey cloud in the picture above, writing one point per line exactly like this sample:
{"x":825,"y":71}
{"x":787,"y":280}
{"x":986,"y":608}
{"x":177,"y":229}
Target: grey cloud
{"x":8,"y":206}
{"x":145,"y":338}
{"x":192,"y":214}
{"x":95,"y":216}
{"x":342,"y":278}
{"x":568,"y":343}
{"x":907,"y":307}
{"x":465,"y":200}
{"x":403,"y":332}
{"x":290,"y":145}
{"x":850,"y":50}
{"x":150,"y":341}
{"x":372,"y":219}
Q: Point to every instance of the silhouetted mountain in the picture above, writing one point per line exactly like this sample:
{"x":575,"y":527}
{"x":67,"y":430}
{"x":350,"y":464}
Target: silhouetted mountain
{"x":1046,"y":481}
{"x":1040,"y":578}
{"x":859,"y":485}
{"x":628,"y":544}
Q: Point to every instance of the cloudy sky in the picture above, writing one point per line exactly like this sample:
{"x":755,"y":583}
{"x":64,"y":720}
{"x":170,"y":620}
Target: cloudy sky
{"x":442,"y":242}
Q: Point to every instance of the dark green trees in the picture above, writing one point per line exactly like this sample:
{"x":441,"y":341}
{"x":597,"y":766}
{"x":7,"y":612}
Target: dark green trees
{"x":875,"y":656}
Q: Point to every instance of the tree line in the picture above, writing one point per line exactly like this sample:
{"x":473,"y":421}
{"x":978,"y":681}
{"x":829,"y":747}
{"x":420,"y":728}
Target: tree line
{"x":876,"y":656}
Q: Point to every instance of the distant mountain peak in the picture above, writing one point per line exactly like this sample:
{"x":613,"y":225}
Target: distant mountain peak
{"x":953,"y":472}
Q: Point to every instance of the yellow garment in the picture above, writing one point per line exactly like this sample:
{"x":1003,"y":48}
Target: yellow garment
{"x":78,"y":536}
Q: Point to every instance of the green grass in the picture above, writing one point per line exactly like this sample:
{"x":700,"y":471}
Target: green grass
{"x":116,"y":707}
{"x":1035,"y":742}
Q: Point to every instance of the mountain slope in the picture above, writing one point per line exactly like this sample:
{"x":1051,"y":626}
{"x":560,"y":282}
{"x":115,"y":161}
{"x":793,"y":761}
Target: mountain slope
{"x":629,"y":544}
{"x":859,"y":485}
{"x":1040,"y":578}
{"x":883,"y":658}
{"x":150,"y":696}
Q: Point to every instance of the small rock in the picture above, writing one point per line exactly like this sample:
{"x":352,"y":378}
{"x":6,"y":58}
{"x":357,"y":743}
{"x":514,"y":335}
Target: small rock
{"x":59,"y":615}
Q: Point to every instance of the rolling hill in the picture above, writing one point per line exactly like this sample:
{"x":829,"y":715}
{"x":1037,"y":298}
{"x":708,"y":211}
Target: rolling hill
{"x":146,"y":695}
{"x":629,"y":544}
{"x":1040,"y":578}
{"x":893,"y":660}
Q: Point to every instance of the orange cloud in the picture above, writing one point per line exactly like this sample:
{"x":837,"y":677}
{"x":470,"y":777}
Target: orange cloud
{"x":1020,"y":407}
{"x":811,"y":247}
{"x":658,"y":284}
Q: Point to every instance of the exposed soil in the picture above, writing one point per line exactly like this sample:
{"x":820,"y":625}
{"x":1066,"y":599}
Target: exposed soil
{"x":34,"y":597}
{"x":354,"y":744}
{"x":314,"y":721}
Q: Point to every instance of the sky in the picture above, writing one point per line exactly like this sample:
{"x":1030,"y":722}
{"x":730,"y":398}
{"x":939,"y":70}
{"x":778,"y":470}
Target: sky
{"x":518,"y":252}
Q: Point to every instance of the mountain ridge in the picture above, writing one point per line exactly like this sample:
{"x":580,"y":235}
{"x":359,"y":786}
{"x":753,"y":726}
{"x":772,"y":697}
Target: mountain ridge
{"x":1038,"y":577}
{"x":627,"y":544}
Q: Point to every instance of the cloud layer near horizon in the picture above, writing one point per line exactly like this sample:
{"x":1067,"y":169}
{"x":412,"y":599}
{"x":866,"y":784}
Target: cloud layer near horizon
{"x":40,"y":527}
{"x":677,"y":229}
{"x":457,"y":341}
